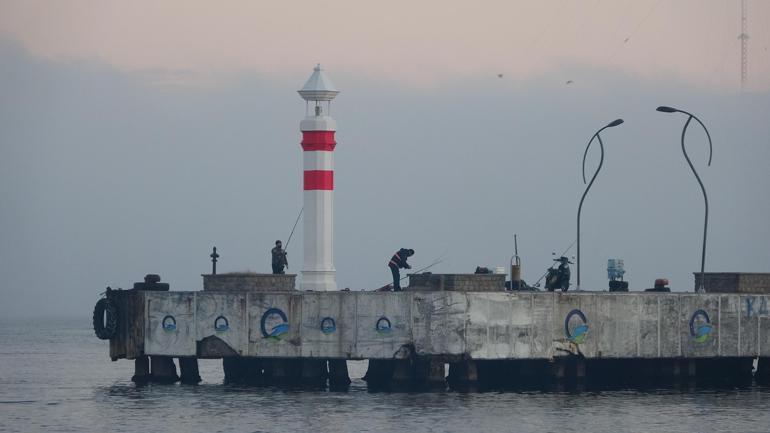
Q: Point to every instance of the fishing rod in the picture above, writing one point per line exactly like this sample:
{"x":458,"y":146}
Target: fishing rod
{"x":423,"y":269}
{"x":293,"y":228}
{"x":537,"y":283}
{"x":435,"y":262}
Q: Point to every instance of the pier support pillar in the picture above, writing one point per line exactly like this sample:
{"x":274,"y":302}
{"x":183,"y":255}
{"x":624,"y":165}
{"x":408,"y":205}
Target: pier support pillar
{"x":580,"y":369}
{"x":188,"y":370}
{"x":670,"y":368}
{"x":403,"y":373}
{"x":558,"y":369}
{"x":338,"y":374}
{"x":313,"y":372}
{"x":379,"y":372}
{"x":463,"y":373}
{"x":252,"y":371}
{"x":525,"y":373}
{"x":234,"y":369}
{"x":692,"y":369}
{"x":762,"y":375}
{"x":141,"y":370}
{"x":283,"y":371}
{"x":430,"y":373}
{"x":163,"y":369}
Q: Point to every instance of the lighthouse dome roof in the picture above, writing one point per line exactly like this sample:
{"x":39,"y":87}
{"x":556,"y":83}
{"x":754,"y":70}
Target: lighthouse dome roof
{"x":318,"y":87}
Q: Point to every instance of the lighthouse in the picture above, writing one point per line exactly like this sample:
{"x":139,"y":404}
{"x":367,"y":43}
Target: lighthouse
{"x":318,"y":144}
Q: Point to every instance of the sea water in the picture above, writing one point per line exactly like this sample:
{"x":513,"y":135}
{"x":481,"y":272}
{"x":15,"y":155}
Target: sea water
{"x":55,"y":375}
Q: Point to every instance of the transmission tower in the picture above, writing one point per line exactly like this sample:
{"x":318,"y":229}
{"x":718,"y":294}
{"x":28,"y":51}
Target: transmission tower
{"x":744,"y":37}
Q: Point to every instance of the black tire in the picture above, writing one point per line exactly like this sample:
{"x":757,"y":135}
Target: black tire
{"x":105,"y":331}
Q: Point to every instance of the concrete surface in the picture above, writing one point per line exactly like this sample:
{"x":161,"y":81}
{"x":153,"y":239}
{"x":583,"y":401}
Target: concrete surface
{"x":477,"y":325}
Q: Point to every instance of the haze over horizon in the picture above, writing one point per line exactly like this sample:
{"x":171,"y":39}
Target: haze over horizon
{"x":134,"y":137}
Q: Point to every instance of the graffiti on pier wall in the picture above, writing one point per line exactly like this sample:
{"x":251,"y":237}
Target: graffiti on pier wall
{"x":221,"y":324}
{"x":756,"y":306}
{"x":383,"y":325}
{"x":169,"y":323}
{"x":274,"y":324}
{"x":328,"y":325}
{"x":576,"y":326}
{"x":700,"y":326}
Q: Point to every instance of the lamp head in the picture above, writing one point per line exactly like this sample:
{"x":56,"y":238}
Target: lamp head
{"x":664,"y":109}
{"x":614,"y":123}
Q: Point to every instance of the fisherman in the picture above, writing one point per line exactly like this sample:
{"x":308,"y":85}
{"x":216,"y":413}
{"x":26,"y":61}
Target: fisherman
{"x":399,"y":261}
{"x":279,"y":258}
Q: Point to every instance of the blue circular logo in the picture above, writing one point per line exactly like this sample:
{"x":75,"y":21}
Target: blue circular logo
{"x":700,"y":326}
{"x":576,"y":326}
{"x":221,"y":324}
{"x":328,"y":325}
{"x":383,"y":325}
{"x":274,"y":324}
{"x":169,"y":323}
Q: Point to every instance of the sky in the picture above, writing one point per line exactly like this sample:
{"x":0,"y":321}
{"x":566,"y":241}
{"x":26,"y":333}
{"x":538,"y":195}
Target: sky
{"x":134,"y":136}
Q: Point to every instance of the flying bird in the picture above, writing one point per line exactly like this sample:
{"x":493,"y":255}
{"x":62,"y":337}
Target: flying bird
{"x":499,"y":75}
{"x":570,"y":81}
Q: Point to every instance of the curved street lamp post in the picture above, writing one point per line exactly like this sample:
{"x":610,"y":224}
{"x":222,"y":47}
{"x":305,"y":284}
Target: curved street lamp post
{"x":664,"y":109}
{"x":580,"y":207}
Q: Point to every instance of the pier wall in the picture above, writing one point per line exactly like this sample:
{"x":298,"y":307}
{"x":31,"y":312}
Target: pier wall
{"x":459,"y":325}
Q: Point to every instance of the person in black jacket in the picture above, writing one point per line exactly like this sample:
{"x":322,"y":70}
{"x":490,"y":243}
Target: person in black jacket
{"x":279,"y":258}
{"x":399,"y":261}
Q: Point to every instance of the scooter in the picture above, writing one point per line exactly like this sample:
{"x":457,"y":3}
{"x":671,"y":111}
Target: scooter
{"x":558,"y":278}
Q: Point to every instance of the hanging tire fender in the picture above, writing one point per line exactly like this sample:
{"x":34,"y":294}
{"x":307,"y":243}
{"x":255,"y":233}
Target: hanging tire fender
{"x":105,"y":327}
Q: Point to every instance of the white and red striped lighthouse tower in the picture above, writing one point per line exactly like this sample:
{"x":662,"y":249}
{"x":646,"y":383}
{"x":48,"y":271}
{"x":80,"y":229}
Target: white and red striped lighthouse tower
{"x":318,"y":144}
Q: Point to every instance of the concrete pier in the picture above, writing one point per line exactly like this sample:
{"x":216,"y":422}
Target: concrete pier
{"x":500,"y":337}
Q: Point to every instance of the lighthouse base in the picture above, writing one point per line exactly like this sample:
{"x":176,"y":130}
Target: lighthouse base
{"x":322,"y":281}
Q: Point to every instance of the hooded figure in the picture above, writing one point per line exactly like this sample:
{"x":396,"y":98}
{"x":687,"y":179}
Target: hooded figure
{"x":399,"y":261}
{"x":279,"y":258}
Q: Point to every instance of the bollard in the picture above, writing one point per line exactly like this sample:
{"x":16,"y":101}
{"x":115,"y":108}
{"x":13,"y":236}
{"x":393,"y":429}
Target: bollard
{"x":188,"y":370}
{"x":163,"y":369}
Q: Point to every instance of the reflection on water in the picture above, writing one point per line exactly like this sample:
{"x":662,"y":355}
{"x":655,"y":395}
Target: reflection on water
{"x":57,"y":377}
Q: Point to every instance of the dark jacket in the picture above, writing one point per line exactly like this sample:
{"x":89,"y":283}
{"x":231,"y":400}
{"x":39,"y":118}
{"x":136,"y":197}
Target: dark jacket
{"x":399,"y":259}
{"x":279,"y":257}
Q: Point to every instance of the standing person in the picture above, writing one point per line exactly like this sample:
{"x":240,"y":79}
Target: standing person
{"x":279,"y":258}
{"x":399,"y":261}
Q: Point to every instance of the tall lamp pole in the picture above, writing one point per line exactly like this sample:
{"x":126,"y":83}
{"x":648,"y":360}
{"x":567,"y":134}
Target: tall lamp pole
{"x":580,"y":207}
{"x":690,"y":116}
